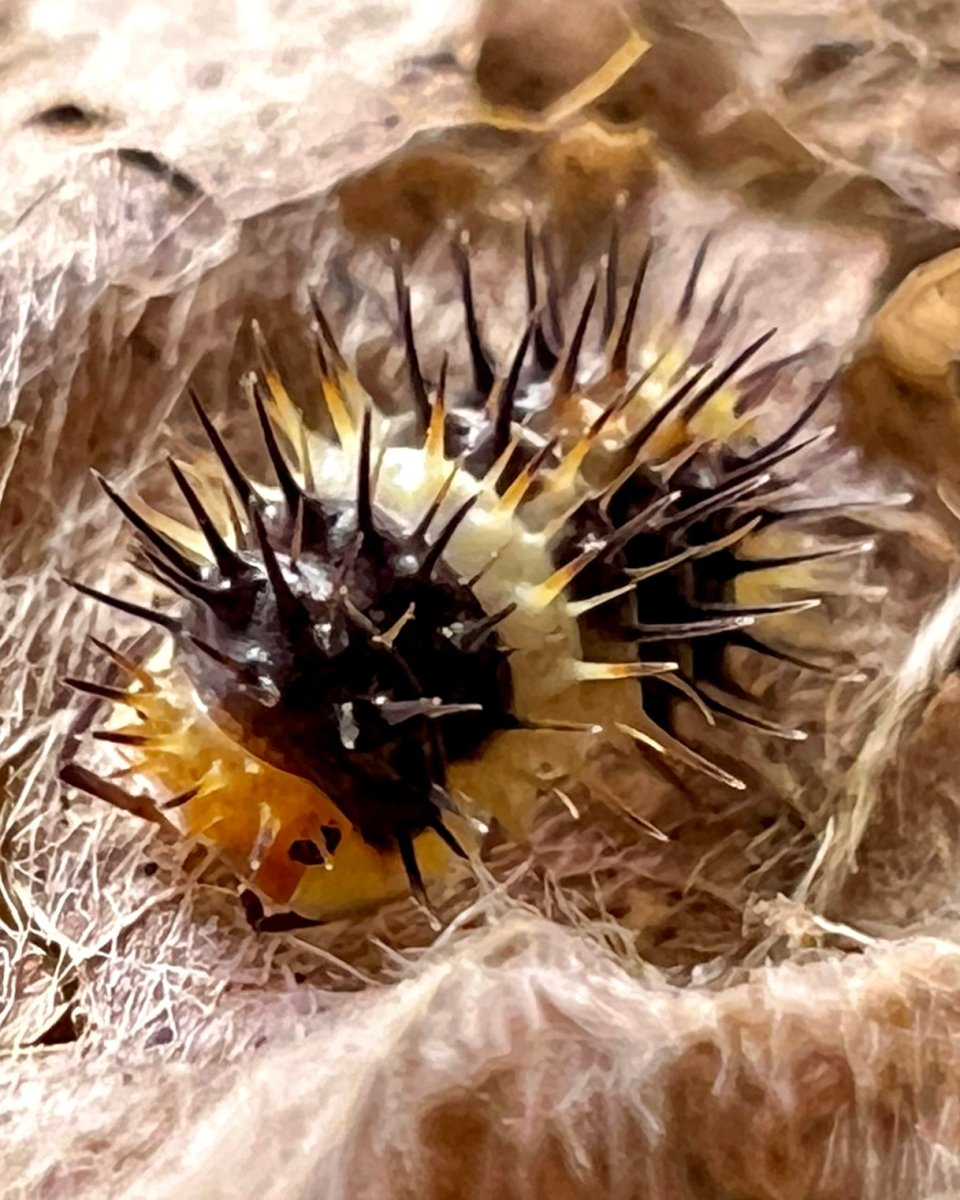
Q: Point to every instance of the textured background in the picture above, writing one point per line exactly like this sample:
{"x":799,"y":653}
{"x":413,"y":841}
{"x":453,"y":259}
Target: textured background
{"x":767,"y":1006}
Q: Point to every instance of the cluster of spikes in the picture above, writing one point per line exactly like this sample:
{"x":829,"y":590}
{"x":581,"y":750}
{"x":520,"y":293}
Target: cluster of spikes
{"x":336,"y":634}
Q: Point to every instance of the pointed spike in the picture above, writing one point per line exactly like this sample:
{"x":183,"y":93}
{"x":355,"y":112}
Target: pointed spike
{"x":390,"y":635}
{"x":805,"y":415}
{"x":306,"y":852}
{"x":554,"y":726}
{"x":323,"y":363}
{"x":408,"y":857}
{"x":713,"y":339}
{"x":722,"y":497}
{"x":330,"y":390}
{"x":420,"y":399}
{"x":102,"y":691}
{"x":545,"y":593}
{"x":685,"y":689}
{"x":229,"y":563}
{"x":631,"y":393}
{"x":364,"y":497}
{"x":492,"y":477}
{"x":513,"y":496}
{"x":434,"y":506}
{"x":544,"y":354}
{"x":296,"y":538}
{"x":640,"y":574}
{"x":289,"y":414}
{"x":597,"y":672}
{"x":641,"y":521}
{"x":442,"y":380}
{"x":778,"y":562}
{"x":306,"y":461}
{"x":325,"y":332}
{"x":568,"y":467}
{"x":835,"y":670}
{"x":684,"y":630}
{"x":599,"y":423}
{"x":553,"y":289}
{"x":690,"y":288}
{"x":181,"y":799}
{"x":568,"y":372}
{"x":395,"y":712}
{"x":483,"y":376}
{"x":184,"y":585}
{"x":720,"y":608}
{"x":766,"y":462}
{"x":530,"y":266}
{"x":474,"y":579}
{"x":701,"y":550}
{"x":238,"y":669}
{"x":621,"y":351}
{"x":239,"y":481}
{"x":288,"y":485}
{"x":76,"y":776}
{"x":378,"y":467}
{"x":435,"y":442}
{"x":360,"y":618}
{"x":506,"y":395}
{"x":444,"y":834}
{"x":151,"y":536}
{"x":612,"y":276}
{"x":432,"y":557}
{"x":577,"y":608}
{"x":702,"y":398}
{"x":472,"y":637}
{"x":278,"y":922}
{"x":738,"y":710}
{"x":309,"y":529}
{"x":688,"y":362}
{"x":170,"y":581}
{"x":669,"y":747}
{"x":754,"y":388}
{"x":233,"y":511}
{"x":118,"y":737}
{"x":805,"y":507}
{"x":288,"y":606}
{"x":171,"y":624}
{"x":125,"y":663}
{"x":658,"y":419}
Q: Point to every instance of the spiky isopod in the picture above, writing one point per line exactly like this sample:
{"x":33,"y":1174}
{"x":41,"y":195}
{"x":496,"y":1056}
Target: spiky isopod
{"x":538,"y":552}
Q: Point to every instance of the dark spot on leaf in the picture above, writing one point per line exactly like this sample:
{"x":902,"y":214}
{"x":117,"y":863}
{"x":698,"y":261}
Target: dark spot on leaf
{"x":68,"y":118}
{"x":147,"y":161}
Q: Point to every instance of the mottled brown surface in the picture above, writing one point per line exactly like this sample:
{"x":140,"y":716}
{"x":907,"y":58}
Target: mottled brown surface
{"x":764,"y":1005}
